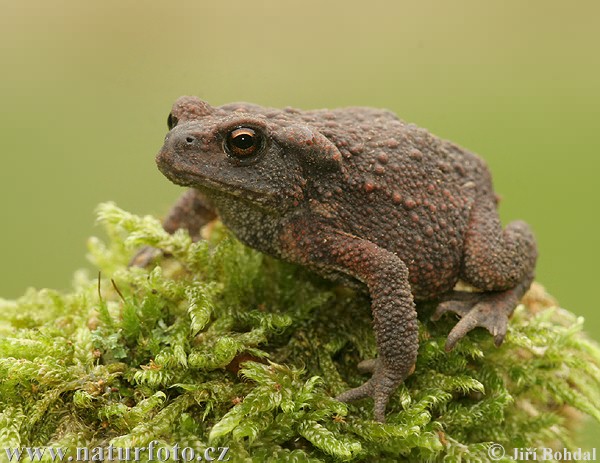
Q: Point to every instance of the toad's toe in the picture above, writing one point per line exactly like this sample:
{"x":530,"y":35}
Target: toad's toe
{"x":486,"y":310}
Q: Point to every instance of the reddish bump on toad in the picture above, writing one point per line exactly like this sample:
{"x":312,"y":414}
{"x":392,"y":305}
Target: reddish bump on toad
{"x":358,"y":196}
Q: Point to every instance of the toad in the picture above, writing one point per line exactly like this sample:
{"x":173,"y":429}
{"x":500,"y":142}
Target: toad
{"x":360,"y":197}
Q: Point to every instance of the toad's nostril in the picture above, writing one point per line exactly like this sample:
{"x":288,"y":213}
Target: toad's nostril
{"x":189,"y":139}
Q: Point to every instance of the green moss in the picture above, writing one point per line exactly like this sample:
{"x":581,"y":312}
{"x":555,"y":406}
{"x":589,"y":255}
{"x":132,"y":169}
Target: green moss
{"x":222,"y":346}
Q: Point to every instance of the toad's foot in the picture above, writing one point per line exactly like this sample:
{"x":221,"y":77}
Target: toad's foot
{"x":488,"y":310}
{"x":380,"y":387}
{"x":145,"y":256}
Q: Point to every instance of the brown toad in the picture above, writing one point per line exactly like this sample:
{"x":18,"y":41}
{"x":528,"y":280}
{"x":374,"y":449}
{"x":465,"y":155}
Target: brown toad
{"x":356,"y":195}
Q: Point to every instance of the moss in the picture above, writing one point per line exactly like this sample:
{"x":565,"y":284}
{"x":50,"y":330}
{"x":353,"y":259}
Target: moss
{"x":219,"y":345}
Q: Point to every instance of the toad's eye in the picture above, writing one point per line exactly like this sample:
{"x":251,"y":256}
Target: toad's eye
{"x":243,"y":142}
{"x":171,"y":121}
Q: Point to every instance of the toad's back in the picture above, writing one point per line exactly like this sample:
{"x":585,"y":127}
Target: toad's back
{"x":402,"y":188}
{"x":398,"y":186}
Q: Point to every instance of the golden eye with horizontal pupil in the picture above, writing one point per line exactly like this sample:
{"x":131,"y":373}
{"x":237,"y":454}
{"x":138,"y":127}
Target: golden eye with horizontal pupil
{"x":243,"y":142}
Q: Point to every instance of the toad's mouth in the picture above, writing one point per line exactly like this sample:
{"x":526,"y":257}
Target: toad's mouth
{"x":217,"y":188}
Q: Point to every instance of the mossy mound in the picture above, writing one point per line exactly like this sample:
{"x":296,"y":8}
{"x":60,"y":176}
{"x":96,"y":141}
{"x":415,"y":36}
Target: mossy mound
{"x":219,"y":345}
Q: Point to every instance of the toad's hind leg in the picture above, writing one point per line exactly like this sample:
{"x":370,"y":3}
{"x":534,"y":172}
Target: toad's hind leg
{"x":500,"y":263}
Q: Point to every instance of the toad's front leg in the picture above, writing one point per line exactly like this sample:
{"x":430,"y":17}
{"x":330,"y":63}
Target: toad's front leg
{"x":394,"y":316}
{"x":191,"y":212}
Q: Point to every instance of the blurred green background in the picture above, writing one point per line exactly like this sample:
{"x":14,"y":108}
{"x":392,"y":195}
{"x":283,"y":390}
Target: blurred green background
{"x":86,"y":87}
